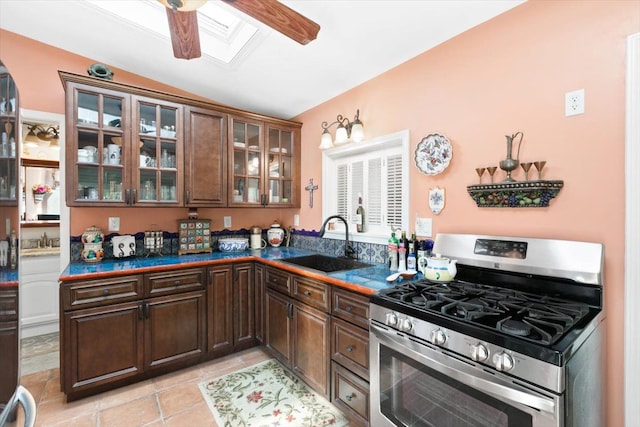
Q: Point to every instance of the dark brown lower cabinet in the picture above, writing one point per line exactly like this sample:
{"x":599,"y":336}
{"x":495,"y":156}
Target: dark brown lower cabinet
{"x":259,"y":303}
{"x":101,"y":346}
{"x":230,"y":309}
{"x":299,"y":336}
{"x":9,"y":349}
{"x":120,"y":338}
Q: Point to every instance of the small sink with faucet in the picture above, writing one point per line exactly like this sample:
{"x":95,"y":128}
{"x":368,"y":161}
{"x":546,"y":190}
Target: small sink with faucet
{"x":329,"y":264}
{"x":325,"y":263}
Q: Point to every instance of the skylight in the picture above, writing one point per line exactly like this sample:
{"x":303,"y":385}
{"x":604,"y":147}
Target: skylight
{"x":222,"y":34}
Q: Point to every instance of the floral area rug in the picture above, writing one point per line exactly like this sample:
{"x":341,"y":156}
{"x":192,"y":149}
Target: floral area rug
{"x":266,"y":394}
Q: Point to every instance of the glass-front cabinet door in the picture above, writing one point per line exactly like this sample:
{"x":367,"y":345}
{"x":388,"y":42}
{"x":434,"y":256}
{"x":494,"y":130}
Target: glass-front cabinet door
{"x":280,"y":159}
{"x":157,"y":148}
{"x":264,"y":159}
{"x":97,"y":163}
{"x":9,"y":143}
{"x":247,"y":164}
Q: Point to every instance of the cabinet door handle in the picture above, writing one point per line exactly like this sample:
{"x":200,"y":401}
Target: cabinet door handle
{"x":140,"y":312}
{"x":187,"y":196}
{"x":177,"y":282}
{"x":146,"y":310}
{"x":127,"y":196}
{"x":349,"y":349}
{"x":307,"y":293}
{"x":290,"y":311}
{"x":351,"y":396}
{"x":134,"y":196}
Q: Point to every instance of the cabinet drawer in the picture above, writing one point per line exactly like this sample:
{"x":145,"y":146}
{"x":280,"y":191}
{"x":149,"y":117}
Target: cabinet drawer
{"x":8,"y":304}
{"x":279,"y":280}
{"x":350,"y":393}
{"x":312,"y":292}
{"x":350,"y":347}
{"x":94,"y":293}
{"x":174,"y":282}
{"x":351,"y":307}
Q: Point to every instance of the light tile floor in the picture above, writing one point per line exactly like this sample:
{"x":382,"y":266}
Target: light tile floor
{"x":171,"y":400}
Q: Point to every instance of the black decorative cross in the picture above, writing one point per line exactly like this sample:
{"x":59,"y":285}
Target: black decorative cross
{"x":311,"y":188}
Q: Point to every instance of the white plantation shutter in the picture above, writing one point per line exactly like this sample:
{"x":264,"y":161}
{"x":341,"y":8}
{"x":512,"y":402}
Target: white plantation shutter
{"x":373,"y":169}
{"x":374,"y":197}
{"x":394,"y":191}
{"x":342,"y":193}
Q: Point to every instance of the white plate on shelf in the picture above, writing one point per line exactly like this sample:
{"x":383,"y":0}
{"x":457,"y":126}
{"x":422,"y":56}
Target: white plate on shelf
{"x":279,"y":150}
{"x":239,"y":144}
{"x":433,"y":154}
{"x":253,"y":147}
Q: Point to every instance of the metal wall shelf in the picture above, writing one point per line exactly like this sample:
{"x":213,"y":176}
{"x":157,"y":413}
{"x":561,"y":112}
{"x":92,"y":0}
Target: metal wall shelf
{"x":525,"y":194}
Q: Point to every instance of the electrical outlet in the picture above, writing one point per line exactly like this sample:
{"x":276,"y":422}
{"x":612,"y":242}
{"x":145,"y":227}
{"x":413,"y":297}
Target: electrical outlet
{"x":574,"y":103}
{"x":227,"y":222}
{"x":114,"y":223}
{"x":296,"y":220}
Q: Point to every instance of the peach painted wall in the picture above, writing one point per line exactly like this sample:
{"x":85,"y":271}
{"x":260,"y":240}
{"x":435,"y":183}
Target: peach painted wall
{"x":510,"y":74}
{"x":34,"y":66}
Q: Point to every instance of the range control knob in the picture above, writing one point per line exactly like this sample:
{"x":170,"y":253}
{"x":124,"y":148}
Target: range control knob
{"x":405,"y":325}
{"x":503,"y":362}
{"x":437,"y":337}
{"x":479,"y":352}
{"x":392,"y":319}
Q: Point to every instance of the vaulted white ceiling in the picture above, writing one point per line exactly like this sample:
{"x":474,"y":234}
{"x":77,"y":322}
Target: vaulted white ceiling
{"x":273,"y":75}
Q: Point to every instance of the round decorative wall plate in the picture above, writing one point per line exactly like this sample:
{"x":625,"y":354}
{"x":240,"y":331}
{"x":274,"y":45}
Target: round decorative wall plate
{"x":433,"y":154}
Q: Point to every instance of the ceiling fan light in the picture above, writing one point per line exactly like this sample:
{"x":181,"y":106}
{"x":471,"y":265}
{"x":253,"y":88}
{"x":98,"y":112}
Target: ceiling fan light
{"x":183,"y":5}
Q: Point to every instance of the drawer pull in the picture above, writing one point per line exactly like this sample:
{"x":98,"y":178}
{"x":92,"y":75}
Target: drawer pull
{"x":307,"y":293}
{"x":105,"y":292}
{"x":177,"y":282}
{"x":349,"y":349}
{"x":349,"y":307}
{"x":351,"y":396}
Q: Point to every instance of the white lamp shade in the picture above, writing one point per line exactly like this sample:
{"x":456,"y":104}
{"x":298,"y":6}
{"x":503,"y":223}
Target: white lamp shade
{"x":325,"y":141}
{"x":357,"y":132}
{"x":341,"y":135}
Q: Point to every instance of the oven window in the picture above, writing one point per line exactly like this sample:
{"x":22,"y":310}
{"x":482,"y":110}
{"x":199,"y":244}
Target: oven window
{"x":412,"y":394}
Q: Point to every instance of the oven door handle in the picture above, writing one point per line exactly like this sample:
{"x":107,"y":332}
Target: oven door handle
{"x":499,"y":391}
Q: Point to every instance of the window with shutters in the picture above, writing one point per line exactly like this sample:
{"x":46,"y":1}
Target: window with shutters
{"x":374,"y":171}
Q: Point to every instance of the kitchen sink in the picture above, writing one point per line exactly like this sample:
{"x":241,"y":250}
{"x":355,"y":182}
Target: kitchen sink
{"x":326,"y":264}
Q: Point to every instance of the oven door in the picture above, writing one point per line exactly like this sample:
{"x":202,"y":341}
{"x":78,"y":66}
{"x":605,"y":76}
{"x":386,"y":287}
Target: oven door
{"x":416,"y":384}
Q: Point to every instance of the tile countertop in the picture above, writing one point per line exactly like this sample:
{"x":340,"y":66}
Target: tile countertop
{"x":366,"y":281}
{"x":9,"y":278}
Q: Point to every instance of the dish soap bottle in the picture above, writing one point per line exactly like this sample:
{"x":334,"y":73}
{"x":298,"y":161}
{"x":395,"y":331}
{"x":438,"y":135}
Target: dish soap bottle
{"x":393,"y":252}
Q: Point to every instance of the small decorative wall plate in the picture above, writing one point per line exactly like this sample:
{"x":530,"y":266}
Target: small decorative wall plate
{"x":433,"y":154}
{"x":436,"y":200}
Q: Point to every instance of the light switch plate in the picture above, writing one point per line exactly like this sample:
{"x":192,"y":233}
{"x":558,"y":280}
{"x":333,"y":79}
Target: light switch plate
{"x":227,"y":222}
{"x":423,"y":227}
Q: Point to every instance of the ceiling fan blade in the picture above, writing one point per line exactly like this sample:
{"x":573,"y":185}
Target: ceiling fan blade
{"x":279,"y":17}
{"x":184,"y":34}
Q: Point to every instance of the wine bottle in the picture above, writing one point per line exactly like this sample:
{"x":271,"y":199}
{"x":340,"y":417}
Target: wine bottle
{"x":360,"y":215}
{"x":402,"y":252}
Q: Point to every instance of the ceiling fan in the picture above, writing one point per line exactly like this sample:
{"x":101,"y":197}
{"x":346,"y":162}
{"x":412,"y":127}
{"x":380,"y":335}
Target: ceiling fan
{"x":183,"y":22}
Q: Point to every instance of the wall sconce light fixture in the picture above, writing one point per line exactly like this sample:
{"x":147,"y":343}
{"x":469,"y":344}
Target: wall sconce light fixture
{"x":346,"y":131}
{"x":38,"y":133}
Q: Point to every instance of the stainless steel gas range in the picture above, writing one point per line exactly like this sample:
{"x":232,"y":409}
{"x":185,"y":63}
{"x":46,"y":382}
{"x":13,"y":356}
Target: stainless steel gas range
{"x":514,"y":340}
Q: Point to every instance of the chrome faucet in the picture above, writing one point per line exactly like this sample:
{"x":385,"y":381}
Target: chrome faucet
{"x":348,"y":250}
